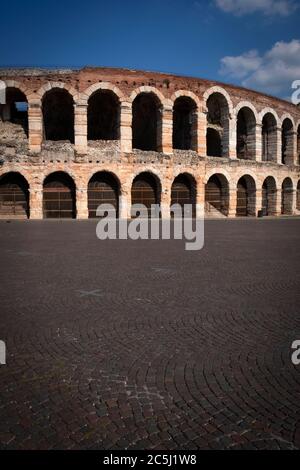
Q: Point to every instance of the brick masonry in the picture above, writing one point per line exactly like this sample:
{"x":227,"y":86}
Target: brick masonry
{"x":34,"y":159}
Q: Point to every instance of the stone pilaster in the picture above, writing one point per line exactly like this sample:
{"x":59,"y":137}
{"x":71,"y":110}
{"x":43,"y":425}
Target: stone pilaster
{"x":36,"y":202}
{"x":35,"y":126}
{"x":232,"y":137}
{"x":278,"y":157}
{"x":258,"y":142}
{"x":126,"y":127}
{"x":201,"y":134}
{"x":80,"y":128}
{"x":232,"y":202}
{"x":165,"y":130}
{"x":82,"y":203}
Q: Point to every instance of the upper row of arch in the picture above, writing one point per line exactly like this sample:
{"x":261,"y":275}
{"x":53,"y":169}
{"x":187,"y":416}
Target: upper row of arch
{"x":81,"y":98}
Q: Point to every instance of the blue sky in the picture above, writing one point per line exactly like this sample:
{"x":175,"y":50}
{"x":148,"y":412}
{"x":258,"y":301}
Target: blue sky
{"x":255,"y":43}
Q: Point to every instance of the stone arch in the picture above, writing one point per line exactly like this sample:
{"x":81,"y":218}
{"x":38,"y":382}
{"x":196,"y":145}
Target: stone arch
{"x":101,"y":86}
{"x":221,"y":91}
{"x":216,"y":194}
{"x":15,"y":109}
{"x":103,"y":188}
{"x":247,"y":104}
{"x":64,"y":86}
{"x":184,"y":192}
{"x":149,"y":89}
{"x":185,"y":123}
{"x":219,"y":111}
{"x":146,"y":121}
{"x":269,"y":196}
{"x":146,"y":189}
{"x":59,"y":196}
{"x":270,"y":123}
{"x":103,"y":115}
{"x":287,"y":190}
{"x":19,"y":86}
{"x":58,"y":114}
{"x":287,"y":140}
{"x":246,"y":133}
{"x":246,"y":196}
{"x":14,"y":196}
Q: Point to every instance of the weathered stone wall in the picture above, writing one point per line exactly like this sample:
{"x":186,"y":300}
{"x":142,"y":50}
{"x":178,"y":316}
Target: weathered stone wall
{"x":36,"y":158}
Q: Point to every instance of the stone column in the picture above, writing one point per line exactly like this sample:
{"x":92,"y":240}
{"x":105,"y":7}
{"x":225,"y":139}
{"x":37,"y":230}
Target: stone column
{"x":294,"y":157}
{"x":258,"y":142}
{"x":126,"y":127}
{"x":36,"y":202}
{"x":124,"y":205}
{"x":201,"y":134}
{"x":165,"y":202}
{"x":277,"y":208}
{"x":165,"y":130}
{"x":294,"y":201}
{"x":232,"y":137}
{"x":258,"y":201}
{"x":82,"y":203}
{"x":278,"y":158}
{"x":200,"y":199}
{"x":80,"y":128}
{"x":232,"y":202}
{"x":35,"y":126}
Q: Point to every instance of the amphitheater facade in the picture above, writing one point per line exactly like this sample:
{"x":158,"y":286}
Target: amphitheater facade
{"x":71,"y":139}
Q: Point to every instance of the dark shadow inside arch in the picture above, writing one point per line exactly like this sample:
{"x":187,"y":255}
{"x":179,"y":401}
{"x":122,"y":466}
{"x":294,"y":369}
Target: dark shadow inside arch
{"x":184,"y":192}
{"x":287,"y":142}
{"x":246,"y":197}
{"x":298,"y":197}
{"x":184,"y":124}
{"x":58,"y":115}
{"x":103,"y":188}
{"x":146,"y":122}
{"x":59,"y":196}
{"x":217,"y":135}
{"x":146,"y":190}
{"x":269,"y":196}
{"x":246,"y":131}
{"x":103,"y":116}
{"x":287,"y":197}
{"x":298,"y":146}
{"x":217,"y":195}
{"x":269,"y":138}
{"x":15,"y":111}
{"x":14,"y":196}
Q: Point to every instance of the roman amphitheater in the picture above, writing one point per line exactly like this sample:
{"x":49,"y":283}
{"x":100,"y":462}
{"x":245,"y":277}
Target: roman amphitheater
{"x":72,"y":139}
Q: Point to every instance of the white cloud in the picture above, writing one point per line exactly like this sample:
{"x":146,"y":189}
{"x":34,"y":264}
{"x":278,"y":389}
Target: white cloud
{"x":272,"y":73}
{"x":267,"y":7}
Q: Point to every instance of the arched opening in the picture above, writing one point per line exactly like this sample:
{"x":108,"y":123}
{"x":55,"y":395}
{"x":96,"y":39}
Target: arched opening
{"x":103,"y":116}
{"x":269,"y":138}
{"x":213,"y":142}
{"x":217,"y":195}
{"x":287,"y":197}
{"x":298,"y":146}
{"x":298,"y":197}
{"x":59,"y":196}
{"x":146,"y":122}
{"x":183,"y":192}
{"x":58,"y":115}
{"x":145,"y":190}
{"x":14,"y":196}
{"x":246,"y":127}
{"x":269,"y":192}
{"x":103,"y":188}
{"x":246,"y":197}
{"x":287,"y":142}
{"x":14,"y":115}
{"x":184,"y":124}
{"x":217,"y":135}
